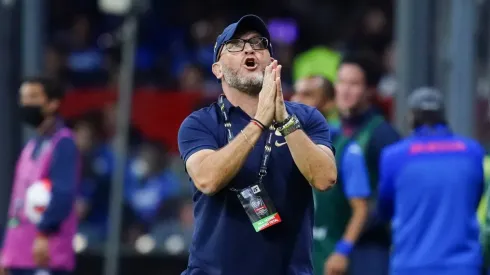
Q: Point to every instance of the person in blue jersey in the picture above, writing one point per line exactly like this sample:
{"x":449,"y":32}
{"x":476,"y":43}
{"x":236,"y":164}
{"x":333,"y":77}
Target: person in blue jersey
{"x":253,"y":160}
{"x":97,"y":166}
{"x":430,"y":187}
{"x":150,"y":184}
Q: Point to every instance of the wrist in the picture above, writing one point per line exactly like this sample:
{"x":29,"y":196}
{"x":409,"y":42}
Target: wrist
{"x":42,"y":235}
{"x":288,"y":126}
{"x":283,"y":119}
{"x":344,"y":247}
{"x":258,"y":123}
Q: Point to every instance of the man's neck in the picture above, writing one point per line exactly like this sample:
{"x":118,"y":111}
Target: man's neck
{"x":248,"y":103}
{"x":328,"y":107}
{"x":48,"y":126}
{"x":357,"y":111}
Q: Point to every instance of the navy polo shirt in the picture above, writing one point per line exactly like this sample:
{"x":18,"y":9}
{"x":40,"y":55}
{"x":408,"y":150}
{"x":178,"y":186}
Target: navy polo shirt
{"x":225,"y":242}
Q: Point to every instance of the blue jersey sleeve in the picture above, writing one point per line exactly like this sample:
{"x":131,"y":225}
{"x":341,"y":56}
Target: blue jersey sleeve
{"x":317,"y":129}
{"x":479,"y":166}
{"x":63,"y":174}
{"x":354,"y":173}
{"x":386,"y":186}
{"x":194,"y":136}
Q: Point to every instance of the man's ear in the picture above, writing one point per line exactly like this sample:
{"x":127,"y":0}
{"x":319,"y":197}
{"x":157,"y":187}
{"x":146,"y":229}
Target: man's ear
{"x":216,"y":68}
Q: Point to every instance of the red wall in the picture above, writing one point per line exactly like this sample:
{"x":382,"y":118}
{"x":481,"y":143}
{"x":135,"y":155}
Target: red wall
{"x":157,"y":114}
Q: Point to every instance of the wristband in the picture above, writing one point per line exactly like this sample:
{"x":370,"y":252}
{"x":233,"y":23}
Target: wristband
{"x":344,"y":247}
{"x":289,"y":125}
{"x":258,"y":123}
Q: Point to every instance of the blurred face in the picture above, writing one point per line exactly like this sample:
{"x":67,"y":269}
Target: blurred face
{"x":309,"y":92}
{"x":350,"y":88}
{"x":84,"y":136}
{"x":191,"y":79}
{"x":243,"y":70}
{"x":81,"y":30}
{"x":147,"y":161}
{"x":34,"y":104}
{"x":389,"y":58}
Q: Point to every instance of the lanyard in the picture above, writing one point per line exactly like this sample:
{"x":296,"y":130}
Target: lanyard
{"x":268,"y":144}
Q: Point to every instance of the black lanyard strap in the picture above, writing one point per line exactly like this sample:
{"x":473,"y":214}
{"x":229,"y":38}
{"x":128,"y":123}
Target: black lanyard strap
{"x":267,"y":148}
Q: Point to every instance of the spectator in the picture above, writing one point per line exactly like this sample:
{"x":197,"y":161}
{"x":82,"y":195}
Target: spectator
{"x":98,"y":161}
{"x":149,"y":185}
{"x":175,"y":234}
{"x":318,"y":92}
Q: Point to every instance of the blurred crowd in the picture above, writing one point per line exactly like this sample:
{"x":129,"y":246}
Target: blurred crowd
{"x":175,"y":52}
{"x":175,"y":41}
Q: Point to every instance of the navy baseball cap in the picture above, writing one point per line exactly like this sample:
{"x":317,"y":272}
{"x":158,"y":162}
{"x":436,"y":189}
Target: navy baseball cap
{"x":426,"y":99}
{"x":248,"y":22}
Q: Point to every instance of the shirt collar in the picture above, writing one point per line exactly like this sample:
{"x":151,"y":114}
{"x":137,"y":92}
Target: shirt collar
{"x":227,"y":103}
{"x":350,"y":124}
{"x":437,"y":130}
{"x":57,"y":126}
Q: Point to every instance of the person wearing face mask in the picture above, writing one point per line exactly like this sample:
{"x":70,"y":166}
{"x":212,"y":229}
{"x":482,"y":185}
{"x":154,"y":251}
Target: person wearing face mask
{"x":51,"y":154}
{"x":150,"y":184}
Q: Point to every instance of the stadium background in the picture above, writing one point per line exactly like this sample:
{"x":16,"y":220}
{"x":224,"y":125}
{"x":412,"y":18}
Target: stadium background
{"x":444,"y":43}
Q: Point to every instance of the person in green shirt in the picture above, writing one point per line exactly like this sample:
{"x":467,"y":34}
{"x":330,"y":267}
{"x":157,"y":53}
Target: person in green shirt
{"x":318,"y":92}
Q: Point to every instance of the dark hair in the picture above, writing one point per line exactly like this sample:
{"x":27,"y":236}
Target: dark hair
{"x":51,"y":89}
{"x":368,"y":64}
{"x":428,"y":118}
{"x":328,"y":88}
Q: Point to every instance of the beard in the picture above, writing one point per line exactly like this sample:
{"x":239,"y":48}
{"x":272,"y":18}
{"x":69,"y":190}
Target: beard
{"x":250,"y":84}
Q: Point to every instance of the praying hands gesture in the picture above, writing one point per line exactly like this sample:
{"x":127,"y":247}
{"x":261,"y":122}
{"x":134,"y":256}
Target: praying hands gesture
{"x":281,"y":113}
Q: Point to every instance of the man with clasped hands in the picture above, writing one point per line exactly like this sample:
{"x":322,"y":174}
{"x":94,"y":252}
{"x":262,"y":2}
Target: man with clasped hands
{"x":252,"y":159}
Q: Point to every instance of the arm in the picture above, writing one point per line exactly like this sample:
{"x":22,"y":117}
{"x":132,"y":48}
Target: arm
{"x":386,"y":187}
{"x":64,"y":176}
{"x":312,"y":153}
{"x":357,"y":190}
{"x":209,"y":168}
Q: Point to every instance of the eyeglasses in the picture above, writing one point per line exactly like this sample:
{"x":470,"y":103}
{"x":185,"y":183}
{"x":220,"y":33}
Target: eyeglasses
{"x":237,"y":45}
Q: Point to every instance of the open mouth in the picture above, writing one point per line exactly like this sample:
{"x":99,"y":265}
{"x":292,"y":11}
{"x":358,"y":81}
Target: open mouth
{"x":250,"y":64}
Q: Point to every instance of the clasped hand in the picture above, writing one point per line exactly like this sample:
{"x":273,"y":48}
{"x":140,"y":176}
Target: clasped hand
{"x":271,"y":105}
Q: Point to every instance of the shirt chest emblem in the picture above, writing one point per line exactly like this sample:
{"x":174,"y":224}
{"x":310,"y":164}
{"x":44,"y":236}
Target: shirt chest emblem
{"x":279,"y":143}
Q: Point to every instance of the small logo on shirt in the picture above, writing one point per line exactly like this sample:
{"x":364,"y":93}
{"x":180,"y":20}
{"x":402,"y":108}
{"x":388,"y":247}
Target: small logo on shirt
{"x":277,"y":143}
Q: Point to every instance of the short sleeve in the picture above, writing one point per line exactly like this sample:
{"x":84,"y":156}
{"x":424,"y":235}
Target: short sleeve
{"x":354,"y":173}
{"x":195,"y":136}
{"x":316,"y":127}
{"x":386,"y":192}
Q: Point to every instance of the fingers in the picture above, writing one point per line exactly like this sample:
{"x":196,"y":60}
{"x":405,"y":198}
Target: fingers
{"x":278,"y":70}
{"x":273,"y":85}
{"x":267,"y":71}
{"x":278,"y":80}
